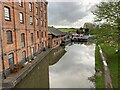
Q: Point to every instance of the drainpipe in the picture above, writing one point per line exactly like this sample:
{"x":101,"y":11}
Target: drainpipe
{"x":34,"y":23}
{"x":2,"y":50}
{"x":26,"y":30}
{"x":39,"y":25}
{"x":2,"y":53}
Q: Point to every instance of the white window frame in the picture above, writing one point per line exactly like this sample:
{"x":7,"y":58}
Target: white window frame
{"x":30,"y":6}
{"x":31,"y":20}
{"x":36,"y":22}
{"x":7,"y":13}
{"x":36,"y":11}
{"x":21,"y":17}
{"x":20,"y":3}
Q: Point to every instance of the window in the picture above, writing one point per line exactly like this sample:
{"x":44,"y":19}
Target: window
{"x":41,"y":22}
{"x":37,"y":34}
{"x":45,"y":15}
{"x":32,"y":38}
{"x":41,"y":13}
{"x":21,"y":17}
{"x":32,"y":52}
{"x":42,"y":34}
{"x":9,"y":37}
{"x":45,"y":24}
{"x":31,"y":20}
{"x":11,"y":60}
{"x":7,"y":13}
{"x":24,"y":56}
{"x":37,"y":22}
{"x":36,"y":1}
{"x":23,"y":40}
{"x":36,"y":10}
{"x":30,"y":6}
{"x":45,"y":34}
{"x":20,"y":3}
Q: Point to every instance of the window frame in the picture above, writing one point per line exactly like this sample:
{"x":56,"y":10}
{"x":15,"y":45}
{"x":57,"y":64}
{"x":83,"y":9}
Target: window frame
{"x":38,"y":34}
{"x":20,"y":3}
{"x":23,"y":40}
{"x":31,"y":18}
{"x":9,"y":37}
{"x":30,"y":6}
{"x":36,"y":22}
{"x":21,"y":14}
{"x":9,"y":57}
{"x":24,"y":58}
{"x":32,"y":38}
{"x":36,"y":10}
{"x":7,"y":17}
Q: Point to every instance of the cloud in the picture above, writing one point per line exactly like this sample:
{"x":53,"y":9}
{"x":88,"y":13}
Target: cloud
{"x":69,"y":13}
{"x":65,"y":13}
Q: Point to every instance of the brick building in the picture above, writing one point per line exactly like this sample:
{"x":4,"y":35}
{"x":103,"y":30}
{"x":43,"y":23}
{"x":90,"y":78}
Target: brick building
{"x":24,"y":32}
{"x":55,"y":37}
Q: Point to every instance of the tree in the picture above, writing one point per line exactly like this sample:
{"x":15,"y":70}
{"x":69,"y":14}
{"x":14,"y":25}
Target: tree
{"x":86,"y":31}
{"x":108,"y":12}
{"x":78,"y":31}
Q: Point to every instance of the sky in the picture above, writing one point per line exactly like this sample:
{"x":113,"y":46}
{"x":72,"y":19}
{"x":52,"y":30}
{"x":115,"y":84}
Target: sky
{"x":71,"y":13}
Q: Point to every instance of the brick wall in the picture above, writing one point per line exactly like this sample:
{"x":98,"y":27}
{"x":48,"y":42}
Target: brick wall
{"x":17,"y":29}
{"x":54,"y":41}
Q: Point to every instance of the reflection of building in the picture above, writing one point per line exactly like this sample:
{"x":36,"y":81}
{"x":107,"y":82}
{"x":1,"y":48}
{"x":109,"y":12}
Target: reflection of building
{"x":24,"y":32}
{"x":54,"y":37}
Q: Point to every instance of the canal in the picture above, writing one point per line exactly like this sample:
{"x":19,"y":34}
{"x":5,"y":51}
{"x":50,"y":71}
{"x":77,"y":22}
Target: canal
{"x":68,"y":67}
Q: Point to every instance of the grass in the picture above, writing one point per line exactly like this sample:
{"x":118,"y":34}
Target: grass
{"x":112,"y":60}
{"x":108,"y":39}
{"x":99,"y":80}
{"x":68,"y":29}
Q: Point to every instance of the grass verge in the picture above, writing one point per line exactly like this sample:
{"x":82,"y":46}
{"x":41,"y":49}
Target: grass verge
{"x":112,"y":60}
{"x":99,"y":80}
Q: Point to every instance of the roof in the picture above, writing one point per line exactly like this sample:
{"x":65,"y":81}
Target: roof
{"x":55,"y":31}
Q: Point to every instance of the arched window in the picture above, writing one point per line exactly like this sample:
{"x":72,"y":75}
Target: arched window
{"x":24,"y":56}
{"x":32,"y":38}
{"x":36,"y":10}
{"x":31,"y":20}
{"x":20,"y":3}
{"x":9,"y":37}
{"x":21,"y":17}
{"x":30,"y":6}
{"x":11,"y":60}
{"x":37,"y":34}
{"x":7,"y":13}
{"x":23,"y":40}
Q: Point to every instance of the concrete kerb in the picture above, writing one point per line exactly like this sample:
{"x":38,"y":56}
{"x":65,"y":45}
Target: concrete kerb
{"x":108,"y":82}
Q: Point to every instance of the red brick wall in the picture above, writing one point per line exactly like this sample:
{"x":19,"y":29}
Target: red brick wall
{"x":54,"y":41}
{"x":17,"y":29}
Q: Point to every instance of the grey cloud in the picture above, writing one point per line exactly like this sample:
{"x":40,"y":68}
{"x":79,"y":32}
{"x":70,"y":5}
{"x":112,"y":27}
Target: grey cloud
{"x":65,"y":13}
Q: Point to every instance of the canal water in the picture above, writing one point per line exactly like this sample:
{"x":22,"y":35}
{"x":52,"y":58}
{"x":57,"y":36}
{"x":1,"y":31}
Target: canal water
{"x":68,"y":67}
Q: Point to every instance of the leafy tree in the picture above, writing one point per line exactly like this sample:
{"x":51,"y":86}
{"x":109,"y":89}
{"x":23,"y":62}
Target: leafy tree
{"x":86,"y":31}
{"x":78,"y":31}
{"x":108,"y":12}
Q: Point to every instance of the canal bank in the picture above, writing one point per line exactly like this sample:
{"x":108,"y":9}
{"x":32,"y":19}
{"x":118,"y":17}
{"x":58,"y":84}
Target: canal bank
{"x":39,"y":76}
{"x":63,"y":67}
{"x":14,"y":79}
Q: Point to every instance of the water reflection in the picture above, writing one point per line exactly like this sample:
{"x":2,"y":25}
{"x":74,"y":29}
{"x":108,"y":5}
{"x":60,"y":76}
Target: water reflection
{"x":74,"y":68}
{"x":67,"y":67}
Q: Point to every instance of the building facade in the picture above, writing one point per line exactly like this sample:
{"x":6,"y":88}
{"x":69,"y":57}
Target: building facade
{"x":24,"y":32}
{"x":55,"y":37}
